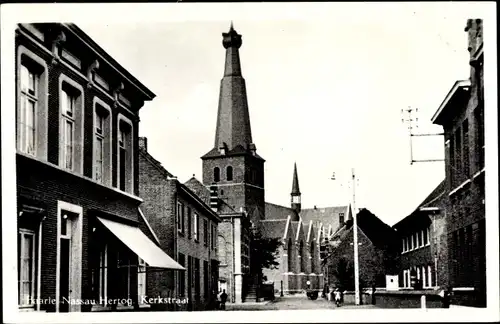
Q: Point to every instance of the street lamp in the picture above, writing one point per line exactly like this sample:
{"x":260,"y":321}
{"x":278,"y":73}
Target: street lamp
{"x":355,"y":234}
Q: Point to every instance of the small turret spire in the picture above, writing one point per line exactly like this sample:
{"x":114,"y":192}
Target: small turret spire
{"x":295,"y":184}
{"x":296,"y":196}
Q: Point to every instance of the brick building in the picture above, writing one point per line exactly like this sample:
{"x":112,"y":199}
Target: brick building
{"x":79,"y":227}
{"x":377,"y":253}
{"x":461,"y":114}
{"x":186,"y":227}
{"x":423,"y":244}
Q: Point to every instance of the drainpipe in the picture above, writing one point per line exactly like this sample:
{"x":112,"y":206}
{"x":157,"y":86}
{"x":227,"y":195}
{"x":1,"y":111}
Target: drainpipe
{"x":233,"y":288}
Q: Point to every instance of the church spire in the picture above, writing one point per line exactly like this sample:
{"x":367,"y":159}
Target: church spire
{"x":233,"y":120}
{"x":296,"y":196}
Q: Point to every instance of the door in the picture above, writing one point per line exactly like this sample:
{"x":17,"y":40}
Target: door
{"x":65,"y":273}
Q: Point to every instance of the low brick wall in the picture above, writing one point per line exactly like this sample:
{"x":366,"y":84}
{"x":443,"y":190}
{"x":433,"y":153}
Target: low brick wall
{"x":407,"y":299}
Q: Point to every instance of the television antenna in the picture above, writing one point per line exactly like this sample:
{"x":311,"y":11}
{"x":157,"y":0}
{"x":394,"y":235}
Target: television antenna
{"x":409,"y":116}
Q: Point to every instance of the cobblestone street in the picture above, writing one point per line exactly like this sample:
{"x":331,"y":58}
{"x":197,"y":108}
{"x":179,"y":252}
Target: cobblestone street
{"x":292,"y":302}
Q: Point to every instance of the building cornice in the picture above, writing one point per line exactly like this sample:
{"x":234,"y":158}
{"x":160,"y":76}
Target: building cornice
{"x":458,"y":85}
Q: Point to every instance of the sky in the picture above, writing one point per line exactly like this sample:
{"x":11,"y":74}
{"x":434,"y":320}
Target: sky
{"x":326,"y":83}
{"x":325,"y":93}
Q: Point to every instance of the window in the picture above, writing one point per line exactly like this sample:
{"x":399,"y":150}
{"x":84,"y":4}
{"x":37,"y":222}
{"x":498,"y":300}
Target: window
{"x":68,"y":123}
{"x":103,"y":273}
{"x":26,"y":267}
{"x":479,"y":117}
{"x":429,"y":276}
{"x":216,"y":174}
{"x":127,"y":265}
{"x":182,"y":276}
{"x":141,"y":280}
{"x":189,"y":229}
{"x":465,"y":136}
{"x":341,"y":218}
{"x":205,"y":232}
{"x":31,"y":106}
{"x":102,"y":149}
{"x":125,"y":155}
{"x":29,"y":100}
{"x":424,"y":278}
{"x":411,"y":242}
{"x":196,"y":279}
{"x":180,"y":217}
{"x":404,"y":278}
{"x":196,"y":227}
{"x":427,"y":236}
{"x":419,"y":239}
{"x":458,"y":155}
{"x":205,"y":279}
{"x":213,"y":237}
{"x":229,"y":173}
{"x":453,"y":172}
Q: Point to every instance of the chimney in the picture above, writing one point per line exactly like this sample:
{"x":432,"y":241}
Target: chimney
{"x":143,"y":143}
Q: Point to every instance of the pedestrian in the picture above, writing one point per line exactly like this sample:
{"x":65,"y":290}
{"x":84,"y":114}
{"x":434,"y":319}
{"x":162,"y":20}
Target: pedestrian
{"x":337,"y":297}
{"x":223,"y":299}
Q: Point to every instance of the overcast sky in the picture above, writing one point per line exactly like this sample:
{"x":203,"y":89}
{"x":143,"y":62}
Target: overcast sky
{"x":325,"y":82}
{"x":326,"y":93}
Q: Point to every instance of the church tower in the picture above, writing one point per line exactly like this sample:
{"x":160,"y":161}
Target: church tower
{"x":233,"y":165}
{"x":295,"y":194}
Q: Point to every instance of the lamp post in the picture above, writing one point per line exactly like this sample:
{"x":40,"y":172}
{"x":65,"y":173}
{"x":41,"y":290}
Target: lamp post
{"x":355,"y":233}
{"x":355,"y":239}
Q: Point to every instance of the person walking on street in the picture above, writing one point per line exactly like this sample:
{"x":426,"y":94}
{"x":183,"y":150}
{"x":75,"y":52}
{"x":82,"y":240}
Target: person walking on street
{"x":337,"y":297}
{"x":223,"y":299}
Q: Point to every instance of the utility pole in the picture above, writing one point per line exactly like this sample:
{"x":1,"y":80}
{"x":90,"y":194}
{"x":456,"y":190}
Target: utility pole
{"x":355,"y":239}
{"x":355,"y":243}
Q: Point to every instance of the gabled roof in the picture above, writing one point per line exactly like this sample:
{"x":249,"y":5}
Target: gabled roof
{"x":274,"y":211}
{"x":273,"y":228}
{"x":199,"y":189}
{"x":326,"y":215}
{"x":419,"y":217}
{"x":379,"y":233}
{"x":459,"y":89}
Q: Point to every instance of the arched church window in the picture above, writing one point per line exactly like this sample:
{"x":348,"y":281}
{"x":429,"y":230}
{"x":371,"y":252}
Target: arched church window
{"x":229,"y":173}
{"x":216,"y":174}
{"x":313,"y":260}
{"x":290,"y":255}
{"x":301,"y":251}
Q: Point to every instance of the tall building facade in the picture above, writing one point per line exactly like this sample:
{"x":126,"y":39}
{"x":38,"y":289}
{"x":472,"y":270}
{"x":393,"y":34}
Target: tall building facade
{"x":233,"y":169}
{"x":461,"y":115}
{"x":77,"y":120}
{"x":186,"y":228}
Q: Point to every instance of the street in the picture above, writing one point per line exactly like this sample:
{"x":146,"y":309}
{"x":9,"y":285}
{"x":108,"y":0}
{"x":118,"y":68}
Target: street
{"x":291,"y":302}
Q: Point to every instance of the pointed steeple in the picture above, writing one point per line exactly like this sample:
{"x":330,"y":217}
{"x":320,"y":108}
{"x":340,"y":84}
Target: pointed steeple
{"x":233,"y":120}
{"x":296,"y":196}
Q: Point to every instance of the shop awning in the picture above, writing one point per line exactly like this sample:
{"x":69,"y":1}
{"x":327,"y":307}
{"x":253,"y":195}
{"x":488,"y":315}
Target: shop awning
{"x":141,"y":245}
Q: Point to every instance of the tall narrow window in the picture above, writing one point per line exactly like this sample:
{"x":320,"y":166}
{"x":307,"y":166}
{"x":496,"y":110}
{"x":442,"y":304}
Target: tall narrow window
{"x":26,"y":267}
{"x":28,"y":112}
{"x":205,"y":232}
{"x":68,"y":100}
{"x":189,"y":225}
{"x":453,"y":171}
{"x":426,"y":236}
{"x":458,"y":155}
{"x":479,"y":117}
{"x":216,"y":174}
{"x":196,"y":227}
{"x":103,"y":273}
{"x":122,"y":157}
{"x":229,"y":173}
{"x":465,"y":131}
{"x":180,"y":217}
{"x":182,"y":276}
{"x":99,"y":147}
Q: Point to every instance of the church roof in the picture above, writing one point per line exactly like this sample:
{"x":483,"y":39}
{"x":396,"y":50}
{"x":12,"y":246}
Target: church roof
{"x":326,"y":216}
{"x":273,"y":228}
{"x":274,"y":211}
